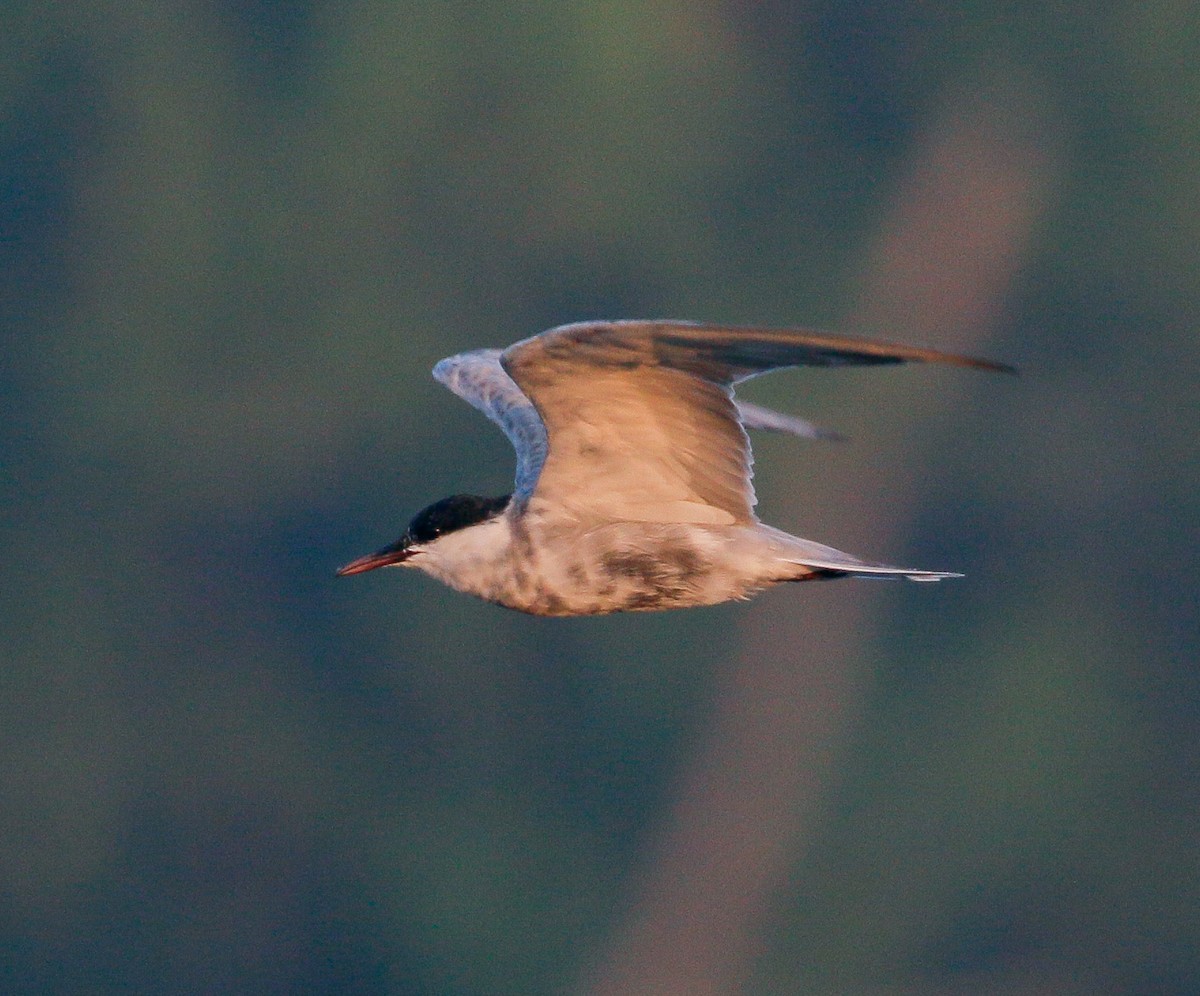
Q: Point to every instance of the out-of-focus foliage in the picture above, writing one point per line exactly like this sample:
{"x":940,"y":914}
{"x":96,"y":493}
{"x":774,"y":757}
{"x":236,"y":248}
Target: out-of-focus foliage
{"x":233,"y":239}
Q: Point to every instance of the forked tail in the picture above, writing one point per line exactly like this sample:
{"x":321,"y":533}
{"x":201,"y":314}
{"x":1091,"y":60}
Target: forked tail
{"x":819,"y":562}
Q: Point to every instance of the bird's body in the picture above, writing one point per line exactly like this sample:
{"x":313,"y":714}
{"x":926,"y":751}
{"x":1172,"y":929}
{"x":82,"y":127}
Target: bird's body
{"x":540,"y":564}
{"x":633,"y":471}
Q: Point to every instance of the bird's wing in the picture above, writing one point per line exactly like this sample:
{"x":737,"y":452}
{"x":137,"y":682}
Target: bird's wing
{"x":478,"y":378}
{"x":758,"y":417}
{"x":640,"y":415}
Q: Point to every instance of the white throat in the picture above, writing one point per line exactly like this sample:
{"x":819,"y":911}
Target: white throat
{"x":471,"y":559}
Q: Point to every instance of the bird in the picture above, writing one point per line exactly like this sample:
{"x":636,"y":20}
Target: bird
{"x":633,"y":482}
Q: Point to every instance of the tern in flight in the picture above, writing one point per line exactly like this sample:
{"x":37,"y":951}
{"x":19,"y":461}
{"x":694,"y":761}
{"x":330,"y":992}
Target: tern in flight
{"x":633,"y":470}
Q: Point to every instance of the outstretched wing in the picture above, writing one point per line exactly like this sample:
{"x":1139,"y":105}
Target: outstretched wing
{"x":478,"y":378}
{"x":640,"y":416}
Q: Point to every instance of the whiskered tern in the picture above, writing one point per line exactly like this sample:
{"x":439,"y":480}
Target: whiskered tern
{"x":633,"y":475}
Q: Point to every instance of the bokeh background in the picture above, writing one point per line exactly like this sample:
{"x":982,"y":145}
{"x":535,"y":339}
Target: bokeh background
{"x":234,"y":237}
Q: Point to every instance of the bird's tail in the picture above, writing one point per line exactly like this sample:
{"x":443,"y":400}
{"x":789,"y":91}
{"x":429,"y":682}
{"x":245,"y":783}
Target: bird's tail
{"x":819,"y":562}
{"x":886,"y":572}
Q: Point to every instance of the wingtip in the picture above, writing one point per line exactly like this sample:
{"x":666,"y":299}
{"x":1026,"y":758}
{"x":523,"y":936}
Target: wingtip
{"x":975,"y":362}
{"x":997,"y":367}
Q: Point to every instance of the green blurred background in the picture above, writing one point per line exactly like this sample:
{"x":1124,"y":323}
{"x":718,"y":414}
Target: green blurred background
{"x":235,"y":236}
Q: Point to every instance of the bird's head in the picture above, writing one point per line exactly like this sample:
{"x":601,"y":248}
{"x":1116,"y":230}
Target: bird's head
{"x":430,"y":524}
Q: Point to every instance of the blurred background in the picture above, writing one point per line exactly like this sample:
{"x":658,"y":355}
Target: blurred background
{"x":235,"y":236}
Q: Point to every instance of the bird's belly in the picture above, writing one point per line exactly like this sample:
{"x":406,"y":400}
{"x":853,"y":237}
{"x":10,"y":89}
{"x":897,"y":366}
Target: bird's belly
{"x":555,"y":568}
{"x":626,"y":568}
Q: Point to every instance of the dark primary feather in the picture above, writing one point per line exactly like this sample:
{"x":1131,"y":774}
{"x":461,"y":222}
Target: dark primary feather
{"x":721,"y":353}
